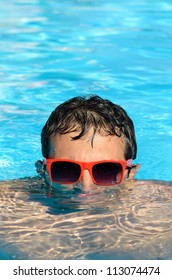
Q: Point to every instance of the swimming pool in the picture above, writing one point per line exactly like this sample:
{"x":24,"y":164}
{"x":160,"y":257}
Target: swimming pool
{"x":53,"y":50}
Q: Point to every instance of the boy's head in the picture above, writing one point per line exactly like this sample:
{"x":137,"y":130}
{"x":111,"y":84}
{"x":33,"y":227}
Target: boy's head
{"x":82,"y":114}
{"x":89,"y":129}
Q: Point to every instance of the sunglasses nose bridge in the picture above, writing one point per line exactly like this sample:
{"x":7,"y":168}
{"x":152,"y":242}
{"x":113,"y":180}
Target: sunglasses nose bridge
{"x":87,"y":166}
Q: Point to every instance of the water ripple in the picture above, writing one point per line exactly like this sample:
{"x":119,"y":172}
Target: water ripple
{"x":136,"y":223}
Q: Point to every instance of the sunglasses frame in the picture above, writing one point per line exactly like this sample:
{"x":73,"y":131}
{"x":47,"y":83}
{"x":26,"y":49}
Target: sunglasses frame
{"x":88,"y":166}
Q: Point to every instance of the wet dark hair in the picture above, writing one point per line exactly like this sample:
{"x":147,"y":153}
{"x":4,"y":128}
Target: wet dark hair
{"x":82,"y":113}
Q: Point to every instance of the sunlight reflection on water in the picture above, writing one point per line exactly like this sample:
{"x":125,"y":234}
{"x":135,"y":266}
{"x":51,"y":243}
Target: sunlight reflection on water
{"x":125,"y":223}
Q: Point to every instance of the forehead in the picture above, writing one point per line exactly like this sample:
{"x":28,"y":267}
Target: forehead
{"x":87,"y":148}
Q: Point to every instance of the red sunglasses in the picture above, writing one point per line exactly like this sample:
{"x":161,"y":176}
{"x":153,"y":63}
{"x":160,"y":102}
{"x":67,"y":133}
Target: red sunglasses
{"x":105,"y":172}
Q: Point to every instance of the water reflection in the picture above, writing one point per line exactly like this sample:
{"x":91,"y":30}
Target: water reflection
{"x":134,"y":222}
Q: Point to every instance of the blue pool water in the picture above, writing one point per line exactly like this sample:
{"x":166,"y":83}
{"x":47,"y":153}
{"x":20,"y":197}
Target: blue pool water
{"x":53,"y":50}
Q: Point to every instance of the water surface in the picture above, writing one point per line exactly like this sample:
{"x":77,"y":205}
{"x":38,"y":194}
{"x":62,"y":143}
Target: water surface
{"x":120,"y":223}
{"x":51,"y":51}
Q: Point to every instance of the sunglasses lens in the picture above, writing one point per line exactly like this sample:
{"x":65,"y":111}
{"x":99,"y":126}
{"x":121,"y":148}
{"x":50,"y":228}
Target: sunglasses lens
{"x":107,"y":173}
{"x":65,"y":172}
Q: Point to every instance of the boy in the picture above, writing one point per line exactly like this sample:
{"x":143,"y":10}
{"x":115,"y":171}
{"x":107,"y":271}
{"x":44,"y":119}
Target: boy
{"x":88,"y":142}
